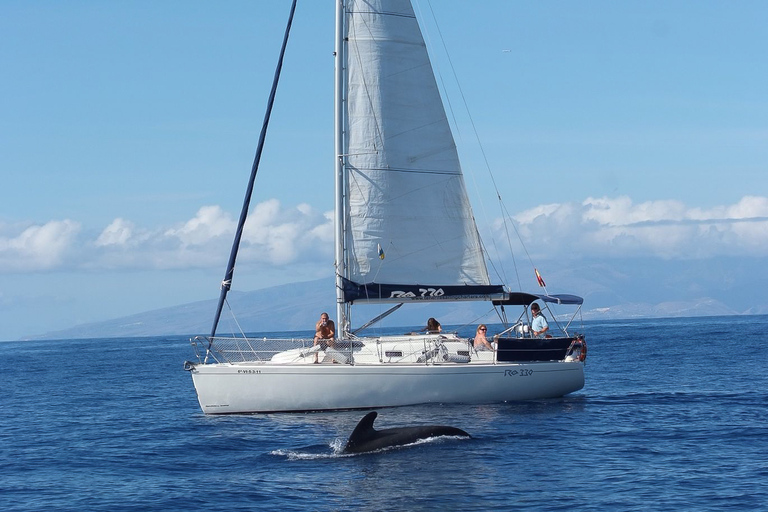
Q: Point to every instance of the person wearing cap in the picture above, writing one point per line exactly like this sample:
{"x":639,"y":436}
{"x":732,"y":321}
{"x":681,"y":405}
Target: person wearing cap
{"x":539,"y":325}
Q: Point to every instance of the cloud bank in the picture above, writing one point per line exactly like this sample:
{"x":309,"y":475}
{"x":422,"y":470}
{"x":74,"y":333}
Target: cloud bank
{"x":278,"y":236}
{"x":273,"y":235}
{"x":616,"y":227}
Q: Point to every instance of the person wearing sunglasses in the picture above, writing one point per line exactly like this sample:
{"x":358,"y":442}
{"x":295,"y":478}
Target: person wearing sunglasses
{"x":481,"y":342}
{"x":539,"y":325}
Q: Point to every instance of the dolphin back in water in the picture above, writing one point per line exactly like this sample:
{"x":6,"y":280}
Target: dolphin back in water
{"x":366,"y":439}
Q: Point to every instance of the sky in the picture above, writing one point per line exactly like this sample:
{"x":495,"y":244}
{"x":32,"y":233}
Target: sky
{"x":613,"y":130}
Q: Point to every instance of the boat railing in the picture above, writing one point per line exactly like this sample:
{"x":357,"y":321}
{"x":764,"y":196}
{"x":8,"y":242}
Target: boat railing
{"x":240,"y":350}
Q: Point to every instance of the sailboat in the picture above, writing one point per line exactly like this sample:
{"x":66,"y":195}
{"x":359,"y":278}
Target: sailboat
{"x":404,"y":234}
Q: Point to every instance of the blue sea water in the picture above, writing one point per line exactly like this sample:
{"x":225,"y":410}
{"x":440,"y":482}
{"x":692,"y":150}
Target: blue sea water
{"x":673,"y":417}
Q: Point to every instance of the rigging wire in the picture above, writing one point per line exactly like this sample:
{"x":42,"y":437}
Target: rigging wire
{"x":505,"y":215}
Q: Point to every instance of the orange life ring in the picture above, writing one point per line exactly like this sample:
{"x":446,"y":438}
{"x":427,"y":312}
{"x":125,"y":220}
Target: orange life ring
{"x":583,"y":353}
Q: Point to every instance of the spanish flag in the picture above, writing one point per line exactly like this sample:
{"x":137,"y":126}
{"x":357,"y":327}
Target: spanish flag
{"x":381,"y":251}
{"x":540,"y":279}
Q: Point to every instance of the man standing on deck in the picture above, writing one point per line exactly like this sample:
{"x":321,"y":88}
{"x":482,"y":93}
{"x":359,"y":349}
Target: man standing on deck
{"x":539,"y":325}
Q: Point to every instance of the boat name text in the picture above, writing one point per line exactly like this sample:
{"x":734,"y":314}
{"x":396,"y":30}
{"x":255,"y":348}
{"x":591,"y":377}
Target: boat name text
{"x":433,"y":294}
{"x":248,"y":371}
{"x":518,"y":373}
{"x":425,"y":292}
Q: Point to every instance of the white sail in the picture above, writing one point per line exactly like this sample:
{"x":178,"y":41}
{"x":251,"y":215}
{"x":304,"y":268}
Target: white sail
{"x":405,"y":190}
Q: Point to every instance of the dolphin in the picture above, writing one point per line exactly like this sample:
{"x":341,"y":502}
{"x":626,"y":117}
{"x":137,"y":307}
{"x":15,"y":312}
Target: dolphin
{"x":366,"y":439}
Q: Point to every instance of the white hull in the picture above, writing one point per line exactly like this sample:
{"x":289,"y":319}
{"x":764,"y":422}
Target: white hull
{"x":258,"y":387}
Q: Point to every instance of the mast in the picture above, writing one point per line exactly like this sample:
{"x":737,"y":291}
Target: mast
{"x":342,"y":320}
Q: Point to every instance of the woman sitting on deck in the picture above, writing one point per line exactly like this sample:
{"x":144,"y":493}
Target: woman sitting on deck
{"x":481,"y":342}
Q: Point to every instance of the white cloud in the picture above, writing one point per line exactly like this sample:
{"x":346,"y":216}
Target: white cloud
{"x":119,"y":232}
{"x":620,"y":211}
{"x":668,"y":229}
{"x":278,"y":236}
{"x":210,"y":223}
{"x":272,"y":235}
{"x":38,"y":248}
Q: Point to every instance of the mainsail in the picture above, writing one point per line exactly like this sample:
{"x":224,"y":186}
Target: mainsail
{"x":405,"y":192}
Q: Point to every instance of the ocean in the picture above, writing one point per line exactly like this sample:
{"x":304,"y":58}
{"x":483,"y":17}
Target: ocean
{"x":672,"y":417}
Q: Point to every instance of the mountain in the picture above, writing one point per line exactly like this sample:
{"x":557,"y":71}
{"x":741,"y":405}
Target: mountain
{"x":296,"y":307}
{"x":291,"y":307}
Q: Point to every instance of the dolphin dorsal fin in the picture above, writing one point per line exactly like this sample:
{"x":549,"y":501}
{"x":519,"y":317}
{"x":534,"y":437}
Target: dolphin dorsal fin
{"x":364,"y":426}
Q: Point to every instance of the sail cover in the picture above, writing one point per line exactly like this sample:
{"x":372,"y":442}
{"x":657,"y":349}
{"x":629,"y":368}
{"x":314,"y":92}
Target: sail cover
{"x":409,"y":225}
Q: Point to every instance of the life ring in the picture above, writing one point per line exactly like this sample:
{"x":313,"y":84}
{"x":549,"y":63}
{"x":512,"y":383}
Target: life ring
{"x":583,"y":352}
